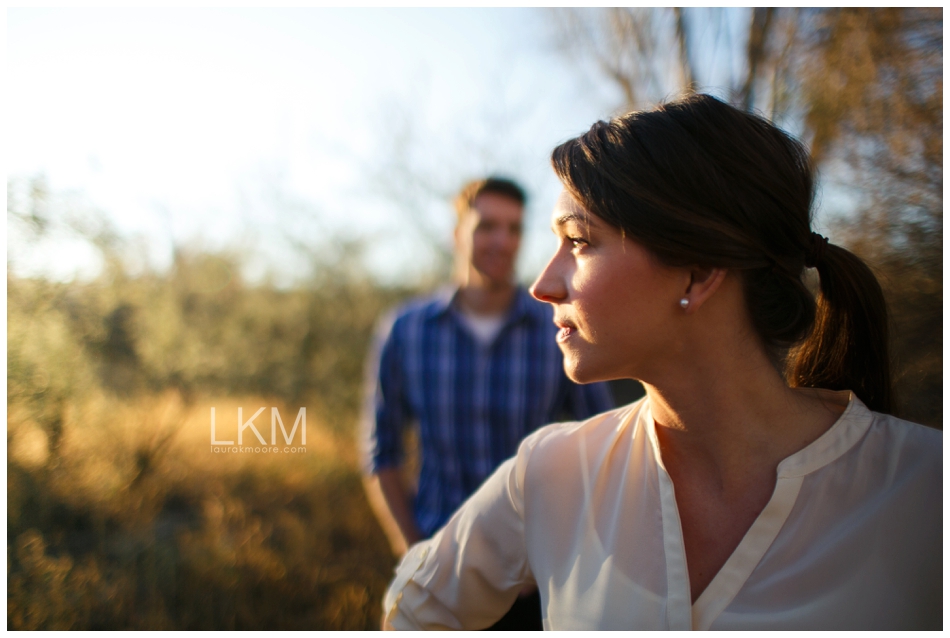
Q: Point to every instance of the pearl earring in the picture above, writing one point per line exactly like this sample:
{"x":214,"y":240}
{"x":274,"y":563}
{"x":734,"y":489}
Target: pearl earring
{"x":684,"y":303}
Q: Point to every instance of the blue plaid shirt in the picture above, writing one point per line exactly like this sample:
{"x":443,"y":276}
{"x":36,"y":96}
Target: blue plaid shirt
{"x":473,"y":403}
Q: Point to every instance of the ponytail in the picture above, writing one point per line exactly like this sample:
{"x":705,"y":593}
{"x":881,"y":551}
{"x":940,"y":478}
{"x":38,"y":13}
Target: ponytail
{"x":699,"y":182}
{"x":847,"y":346}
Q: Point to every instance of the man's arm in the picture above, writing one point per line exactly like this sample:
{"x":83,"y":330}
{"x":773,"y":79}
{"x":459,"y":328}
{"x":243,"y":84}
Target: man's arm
{"x":391,"y":503}
{"x":383,"y":418}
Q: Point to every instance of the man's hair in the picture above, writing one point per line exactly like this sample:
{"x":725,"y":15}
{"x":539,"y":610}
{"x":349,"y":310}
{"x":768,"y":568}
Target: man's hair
{"x":499,"y":185}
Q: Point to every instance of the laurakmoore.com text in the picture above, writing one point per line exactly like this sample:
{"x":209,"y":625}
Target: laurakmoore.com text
{"x":261,"y":445}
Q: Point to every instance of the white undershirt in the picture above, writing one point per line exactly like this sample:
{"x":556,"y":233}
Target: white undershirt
{"x":484,"y":327}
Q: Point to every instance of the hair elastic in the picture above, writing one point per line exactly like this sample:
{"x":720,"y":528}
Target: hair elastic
{"x":816,"y":253}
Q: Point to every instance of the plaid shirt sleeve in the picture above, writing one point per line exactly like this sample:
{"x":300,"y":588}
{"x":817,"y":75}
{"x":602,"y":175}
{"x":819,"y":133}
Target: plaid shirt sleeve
{"x":385,"y":410}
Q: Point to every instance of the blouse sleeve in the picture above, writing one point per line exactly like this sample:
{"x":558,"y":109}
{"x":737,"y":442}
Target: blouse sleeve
{"x":469,"y":573}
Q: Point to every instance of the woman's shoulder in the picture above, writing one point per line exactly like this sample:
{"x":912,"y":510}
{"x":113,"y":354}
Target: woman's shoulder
{"x":861,"y":433}
{"x":595,"y":432}
{"x":914,"y":431}
{"x":887,"y":454}
{"x":904,"y":441}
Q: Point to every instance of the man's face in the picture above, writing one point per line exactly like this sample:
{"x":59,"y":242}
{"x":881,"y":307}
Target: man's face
{"x":488,"y":236}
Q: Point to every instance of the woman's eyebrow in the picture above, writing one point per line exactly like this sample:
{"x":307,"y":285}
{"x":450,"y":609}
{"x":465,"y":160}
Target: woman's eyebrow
{"x":561,"y":220}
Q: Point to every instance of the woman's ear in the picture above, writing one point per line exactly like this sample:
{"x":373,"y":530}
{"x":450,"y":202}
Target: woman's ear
{"x":703,"y":284}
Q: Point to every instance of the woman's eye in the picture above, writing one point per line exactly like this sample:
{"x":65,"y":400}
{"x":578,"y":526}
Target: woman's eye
{"x":577,"y":242}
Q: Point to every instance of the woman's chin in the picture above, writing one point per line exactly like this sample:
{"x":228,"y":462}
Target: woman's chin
{"x":578,"y":372}
{"x":587,"y":369}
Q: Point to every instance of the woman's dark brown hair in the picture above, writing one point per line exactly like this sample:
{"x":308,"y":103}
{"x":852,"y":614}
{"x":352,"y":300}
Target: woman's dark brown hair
{"x":700,"y":183}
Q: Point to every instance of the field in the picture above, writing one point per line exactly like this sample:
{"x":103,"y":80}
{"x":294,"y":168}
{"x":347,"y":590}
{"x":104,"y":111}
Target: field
{"x":121,"y":515}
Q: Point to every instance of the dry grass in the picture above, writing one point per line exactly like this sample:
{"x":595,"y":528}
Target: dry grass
{"x":132,"y":522}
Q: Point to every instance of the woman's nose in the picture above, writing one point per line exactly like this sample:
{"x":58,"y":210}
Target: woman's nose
{"x":549,"y":286}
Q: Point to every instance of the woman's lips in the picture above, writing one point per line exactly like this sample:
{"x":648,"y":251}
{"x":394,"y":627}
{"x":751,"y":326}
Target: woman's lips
{"x":565,"y":332}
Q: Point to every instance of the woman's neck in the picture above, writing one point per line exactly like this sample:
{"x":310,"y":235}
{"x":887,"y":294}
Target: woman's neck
{"x":737,"y":419}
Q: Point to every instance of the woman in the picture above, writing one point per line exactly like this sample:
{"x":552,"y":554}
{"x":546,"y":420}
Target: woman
{"x":751,"y":488}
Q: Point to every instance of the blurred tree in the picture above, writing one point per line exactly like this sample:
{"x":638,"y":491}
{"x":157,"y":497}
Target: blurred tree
{"x":198,"y":327}
{"x":872,"y":98}
{"x":864,"y":87}
{"x":653,"y":54}
{"x":28,"y":204}
{"x":412,"y":182}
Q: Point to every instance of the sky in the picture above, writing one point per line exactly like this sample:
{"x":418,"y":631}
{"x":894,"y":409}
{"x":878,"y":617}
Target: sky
{"x":243,"y":128}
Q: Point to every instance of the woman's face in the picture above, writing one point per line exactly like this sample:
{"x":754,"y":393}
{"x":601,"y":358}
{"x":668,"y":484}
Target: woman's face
{"x":615,"y":304}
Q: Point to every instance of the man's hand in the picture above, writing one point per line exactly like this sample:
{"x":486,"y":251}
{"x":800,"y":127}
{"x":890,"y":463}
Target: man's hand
{"x":391,"y":503}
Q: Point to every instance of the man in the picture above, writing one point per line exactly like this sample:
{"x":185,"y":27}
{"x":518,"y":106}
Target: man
{"x":478,"y":368}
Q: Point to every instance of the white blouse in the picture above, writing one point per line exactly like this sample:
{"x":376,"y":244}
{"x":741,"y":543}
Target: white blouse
{"x":851,"y":538}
